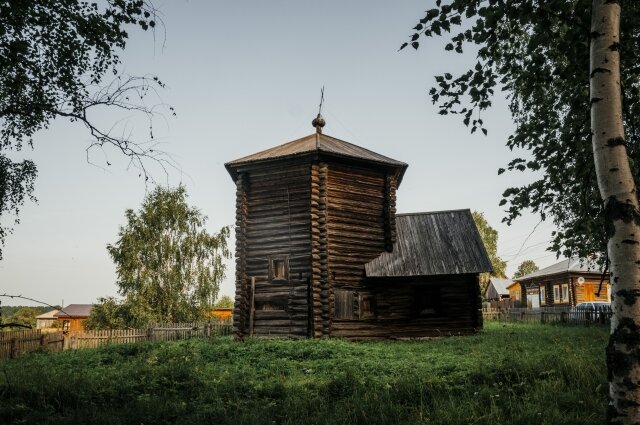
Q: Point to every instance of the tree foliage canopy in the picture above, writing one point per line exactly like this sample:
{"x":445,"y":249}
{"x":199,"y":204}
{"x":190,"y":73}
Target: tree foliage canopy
{"x":54,"y":59}
{"x":169,"y":268}
{"x":537,"y":52}
{"x":489,"y":237}
{"x":225,"y":301}
{"x":526,"y":267}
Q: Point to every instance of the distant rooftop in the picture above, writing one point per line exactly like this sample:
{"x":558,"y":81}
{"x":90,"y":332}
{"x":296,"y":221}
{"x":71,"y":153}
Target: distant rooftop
{"x":314,"y":144}
{"x":501,"y":285}
{"x":573,"y":265}
{"x":48,"y":315}
{"x":433,"y":243}
{"x":75,"y":310}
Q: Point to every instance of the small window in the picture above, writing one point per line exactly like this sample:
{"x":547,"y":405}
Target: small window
{"x":278,"y":268}
{"x":367,"y":306}
{"x":543,"y":295}
{"x":344,"y":304}
{"x":427,"y":301}
{"x":270,"y":306}
{"x":565,"y":292}
{"x":556,"y":294}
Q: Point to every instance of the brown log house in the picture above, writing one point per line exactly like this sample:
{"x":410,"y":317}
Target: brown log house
{"x":320,"y":250}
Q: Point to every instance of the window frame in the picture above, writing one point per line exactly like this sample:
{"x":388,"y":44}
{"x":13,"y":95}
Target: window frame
{"x":344,"y":298}
{"x":432,"y":293}
{"x":565,"y":292}
{"x":274,"y":261}
{"x":369,"y":301}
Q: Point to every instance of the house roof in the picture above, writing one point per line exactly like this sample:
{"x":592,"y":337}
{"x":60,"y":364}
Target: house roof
{"x":75,"y":310}
{"x":433,"y":243}
{"x":317,"y":143}
{"x":500,"y":285}
{"x":571,"y":265}
{"x":48,"y":315}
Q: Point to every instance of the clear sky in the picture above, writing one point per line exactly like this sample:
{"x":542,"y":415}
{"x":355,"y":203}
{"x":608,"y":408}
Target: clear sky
{"x":244,"y":76}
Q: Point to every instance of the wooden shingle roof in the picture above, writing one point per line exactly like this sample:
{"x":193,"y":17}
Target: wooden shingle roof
{"x":315,"y":144}
{"x":433,"y":243}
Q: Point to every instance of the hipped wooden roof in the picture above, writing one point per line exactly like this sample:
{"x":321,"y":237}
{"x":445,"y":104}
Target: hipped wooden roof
{"x":433,"y":243}
{"x":315,"y":144}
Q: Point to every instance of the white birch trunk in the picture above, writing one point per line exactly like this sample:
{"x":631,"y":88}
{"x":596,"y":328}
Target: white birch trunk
{"x":618,"y":191}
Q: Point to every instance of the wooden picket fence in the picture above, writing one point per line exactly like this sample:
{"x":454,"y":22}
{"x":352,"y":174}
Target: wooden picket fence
{"x":156,"y":332}
{"x":16,"y":343}
{"x":549,"y":315}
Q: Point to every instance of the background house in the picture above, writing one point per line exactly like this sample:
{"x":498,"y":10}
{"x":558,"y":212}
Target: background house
{"x":46,"y":320}
{"x":320,"y":250}
{"x":497,"y":289}
{"x":72,"y":317}
{"x":565,"y":283}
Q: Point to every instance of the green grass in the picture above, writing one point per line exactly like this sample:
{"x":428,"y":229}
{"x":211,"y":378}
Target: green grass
{"x":508,"y":374}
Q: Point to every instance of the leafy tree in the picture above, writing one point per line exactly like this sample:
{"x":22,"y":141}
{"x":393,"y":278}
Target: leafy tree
{"x":489,"y":237}
{"x":225,"y":301}
{"x":526,"y":267}
{"x":110,"y":313}
{"x":571,"y":72}
{"x":55,"y":57}
{"x":169,"y":268}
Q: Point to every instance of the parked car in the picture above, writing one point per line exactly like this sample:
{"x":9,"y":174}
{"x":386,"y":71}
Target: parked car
{"x":591,"y":311}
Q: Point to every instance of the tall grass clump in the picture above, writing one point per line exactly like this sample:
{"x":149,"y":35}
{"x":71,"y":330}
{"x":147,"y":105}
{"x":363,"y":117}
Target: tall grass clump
{"x":508,"y":374}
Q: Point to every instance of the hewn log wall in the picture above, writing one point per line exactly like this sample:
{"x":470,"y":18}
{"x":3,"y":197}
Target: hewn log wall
{"x":278,"y":227}
{"x":397,"y":316}
{"x":357,"y":230}
{"x":595,"y":283}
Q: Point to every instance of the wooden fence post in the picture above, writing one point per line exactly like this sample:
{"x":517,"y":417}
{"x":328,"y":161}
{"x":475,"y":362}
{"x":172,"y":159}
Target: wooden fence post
{"x":149,"y":333}
{"x":13,"y":350}
{"x":253,"y":305}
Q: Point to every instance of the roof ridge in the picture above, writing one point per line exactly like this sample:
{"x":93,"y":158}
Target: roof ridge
{"x":432,"y":212}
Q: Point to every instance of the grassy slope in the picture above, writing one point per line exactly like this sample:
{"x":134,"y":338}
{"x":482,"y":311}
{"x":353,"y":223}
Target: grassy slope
{"x":510,"y":374}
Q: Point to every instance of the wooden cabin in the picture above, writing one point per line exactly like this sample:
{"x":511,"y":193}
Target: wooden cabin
{"x":320,"y":250}
{"x":565,"y":283}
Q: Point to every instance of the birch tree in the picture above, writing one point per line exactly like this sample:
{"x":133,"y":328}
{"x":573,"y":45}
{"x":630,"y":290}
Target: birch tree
{"x":169,"y":267}
{"x":571,"y":72}
{"x":489,"y":237}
